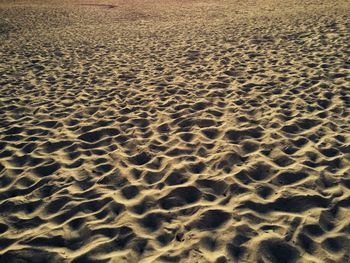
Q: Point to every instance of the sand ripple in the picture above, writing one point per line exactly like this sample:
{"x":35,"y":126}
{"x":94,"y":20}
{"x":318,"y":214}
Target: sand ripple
{"x":194,"y":131}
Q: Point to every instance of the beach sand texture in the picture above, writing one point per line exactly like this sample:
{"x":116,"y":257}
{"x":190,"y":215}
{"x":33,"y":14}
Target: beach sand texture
{"x":175,"y":131}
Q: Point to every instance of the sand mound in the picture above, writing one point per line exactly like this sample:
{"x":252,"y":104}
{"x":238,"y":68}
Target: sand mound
{"x":174,"y":131}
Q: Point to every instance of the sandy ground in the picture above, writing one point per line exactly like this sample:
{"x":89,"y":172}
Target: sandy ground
{"x":174,"y":131}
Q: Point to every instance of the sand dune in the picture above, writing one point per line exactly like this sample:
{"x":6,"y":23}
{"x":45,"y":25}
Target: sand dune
{"x":174,"y":131}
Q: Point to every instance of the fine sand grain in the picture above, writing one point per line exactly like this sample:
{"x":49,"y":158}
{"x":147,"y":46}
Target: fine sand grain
{"x":175,"y":131}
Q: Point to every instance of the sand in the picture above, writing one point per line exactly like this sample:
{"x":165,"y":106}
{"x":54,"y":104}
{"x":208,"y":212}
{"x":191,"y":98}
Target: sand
{"x":174,"y":131}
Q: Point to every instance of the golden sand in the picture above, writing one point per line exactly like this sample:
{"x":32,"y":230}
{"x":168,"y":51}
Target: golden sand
{"x":174,"y":131}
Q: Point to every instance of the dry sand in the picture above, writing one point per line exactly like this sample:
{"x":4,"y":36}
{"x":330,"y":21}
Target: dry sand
{"x":174,"y":131}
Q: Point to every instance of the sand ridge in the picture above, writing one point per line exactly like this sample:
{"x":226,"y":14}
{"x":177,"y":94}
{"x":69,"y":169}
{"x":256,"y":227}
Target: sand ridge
{"x":187,"y":131}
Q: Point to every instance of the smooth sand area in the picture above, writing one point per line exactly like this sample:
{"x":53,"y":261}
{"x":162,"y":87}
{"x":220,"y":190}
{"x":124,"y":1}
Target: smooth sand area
{"x":175,"y":131}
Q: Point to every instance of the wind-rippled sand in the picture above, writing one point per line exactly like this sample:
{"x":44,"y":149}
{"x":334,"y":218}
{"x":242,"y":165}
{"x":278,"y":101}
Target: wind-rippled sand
{"x":175,"y":131}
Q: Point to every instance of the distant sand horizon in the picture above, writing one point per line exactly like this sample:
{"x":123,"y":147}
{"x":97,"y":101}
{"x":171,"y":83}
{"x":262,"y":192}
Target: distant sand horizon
{"x":174,"y":131}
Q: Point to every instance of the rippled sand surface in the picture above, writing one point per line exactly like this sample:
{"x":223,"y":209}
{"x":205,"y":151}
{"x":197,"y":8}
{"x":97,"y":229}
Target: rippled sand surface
{"x":175,"y":131}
